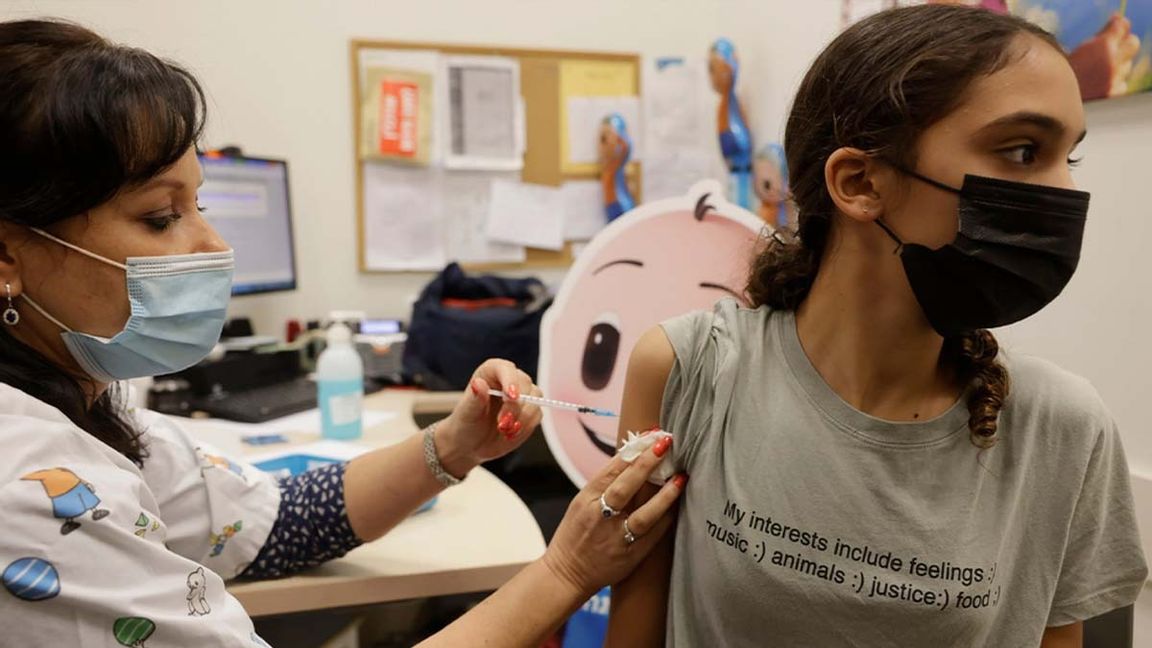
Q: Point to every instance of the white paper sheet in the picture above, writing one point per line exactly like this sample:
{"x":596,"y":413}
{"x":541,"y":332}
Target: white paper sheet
{"x":679,"y":126}
{"x":526,"y":214}
{"x":585,"y":115}
{"x":672,"y":171}
{"x":583,"y":209}
{"x":466,"y":196}
{"x":677,"y":95}
{"x":484,"y":118}
{"x":402,"y":219}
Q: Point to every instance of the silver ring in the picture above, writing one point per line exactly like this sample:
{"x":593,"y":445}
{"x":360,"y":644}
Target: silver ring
{"x":629,"y":537}
{"x":607,"y":511}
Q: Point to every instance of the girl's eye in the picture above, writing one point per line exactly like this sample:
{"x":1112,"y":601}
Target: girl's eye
{"x":1075,"y":162}
{"x":1024,"y":154}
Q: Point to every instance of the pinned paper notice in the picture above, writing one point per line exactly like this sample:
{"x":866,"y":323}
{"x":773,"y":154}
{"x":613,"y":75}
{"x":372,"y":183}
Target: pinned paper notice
{"x":526,"y":214}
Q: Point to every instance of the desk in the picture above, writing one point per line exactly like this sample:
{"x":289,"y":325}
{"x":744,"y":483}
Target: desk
{"x":477,"y":536}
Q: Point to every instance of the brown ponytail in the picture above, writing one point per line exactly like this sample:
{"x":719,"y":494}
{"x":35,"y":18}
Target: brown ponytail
{"x":974,"y":356}
{"x":877,"y":87}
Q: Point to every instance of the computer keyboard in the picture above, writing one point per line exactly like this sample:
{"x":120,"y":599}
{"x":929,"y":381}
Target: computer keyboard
{"x":262,"y":403}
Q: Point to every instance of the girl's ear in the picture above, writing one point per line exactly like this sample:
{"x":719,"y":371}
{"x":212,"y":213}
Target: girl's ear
{"x":854,"y":180}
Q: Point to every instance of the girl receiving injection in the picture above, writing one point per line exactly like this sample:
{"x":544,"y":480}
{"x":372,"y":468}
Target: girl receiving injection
{"x":868,"y":468}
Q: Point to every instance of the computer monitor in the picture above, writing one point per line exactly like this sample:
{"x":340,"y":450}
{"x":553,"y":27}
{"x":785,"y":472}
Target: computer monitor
{"x":246,"y":200}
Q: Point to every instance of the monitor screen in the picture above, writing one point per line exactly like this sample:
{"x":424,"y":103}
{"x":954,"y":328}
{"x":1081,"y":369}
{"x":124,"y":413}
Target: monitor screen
{"x":246,"y":200}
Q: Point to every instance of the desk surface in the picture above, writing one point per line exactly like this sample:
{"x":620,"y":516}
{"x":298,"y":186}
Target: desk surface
{"x":477,"y":536}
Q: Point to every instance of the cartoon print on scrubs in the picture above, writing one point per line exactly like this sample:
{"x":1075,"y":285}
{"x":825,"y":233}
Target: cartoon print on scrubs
{"x":144,"y":524}
{"x":657,"y":261}
{"x":71,"y":496}
{"x":219,"y":540}
{"x":133,"y":631}
{"x":213,"y":461}
{"x":198,"y":593}
{"x":32,"y":579}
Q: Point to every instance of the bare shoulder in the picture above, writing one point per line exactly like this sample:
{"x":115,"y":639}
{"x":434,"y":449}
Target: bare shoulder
{"x":653,"y":356}
{"x":648,"y":369}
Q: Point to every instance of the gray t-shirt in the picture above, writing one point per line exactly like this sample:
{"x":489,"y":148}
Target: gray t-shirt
{"x":809,"y":523}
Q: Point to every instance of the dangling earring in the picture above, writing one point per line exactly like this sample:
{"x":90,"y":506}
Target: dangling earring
{"x":11,"y":315}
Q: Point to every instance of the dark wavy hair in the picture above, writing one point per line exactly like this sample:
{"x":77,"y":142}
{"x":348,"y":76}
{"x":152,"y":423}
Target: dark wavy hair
{"x":81,"y":120}
{"x":877,"y":87}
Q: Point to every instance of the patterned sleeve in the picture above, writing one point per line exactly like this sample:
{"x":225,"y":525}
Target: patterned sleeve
{"x":312,"y":526}
{"x":219,"y":510}
{"x":84,"y":553}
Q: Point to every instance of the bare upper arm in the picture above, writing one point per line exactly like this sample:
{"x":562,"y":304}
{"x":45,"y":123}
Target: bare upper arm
{"x":639,"y":603}
{"x":1067,"y":636}
{"x":648,"y":369}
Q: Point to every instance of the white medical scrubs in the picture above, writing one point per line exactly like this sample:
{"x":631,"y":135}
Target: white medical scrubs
{"x":96,"y":552}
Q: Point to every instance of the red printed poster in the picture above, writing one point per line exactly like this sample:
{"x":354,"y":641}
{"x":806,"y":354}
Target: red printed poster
{"x":399,"y":119}
{"x":396,"y":116}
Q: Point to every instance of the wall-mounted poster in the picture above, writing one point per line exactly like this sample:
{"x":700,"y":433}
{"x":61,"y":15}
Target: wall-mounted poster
{"x":1109,"y":42}
{"x":397,"y":116}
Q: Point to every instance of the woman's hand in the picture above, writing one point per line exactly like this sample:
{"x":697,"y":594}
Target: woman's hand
{"x":482,"y":428}
{"x":592,"y":549}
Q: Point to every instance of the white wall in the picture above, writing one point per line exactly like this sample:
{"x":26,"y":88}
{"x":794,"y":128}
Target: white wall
{"x":278,"y":75}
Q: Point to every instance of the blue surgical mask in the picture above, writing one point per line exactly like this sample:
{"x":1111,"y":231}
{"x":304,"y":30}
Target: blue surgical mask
{"x":178,"y":305}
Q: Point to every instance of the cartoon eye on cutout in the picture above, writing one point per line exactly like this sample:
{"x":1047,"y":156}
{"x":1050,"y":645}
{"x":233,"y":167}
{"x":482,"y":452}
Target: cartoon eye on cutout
{"x":600,"y":351}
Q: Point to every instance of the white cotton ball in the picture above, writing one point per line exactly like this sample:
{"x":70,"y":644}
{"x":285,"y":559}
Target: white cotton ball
{"x":637,"y":444}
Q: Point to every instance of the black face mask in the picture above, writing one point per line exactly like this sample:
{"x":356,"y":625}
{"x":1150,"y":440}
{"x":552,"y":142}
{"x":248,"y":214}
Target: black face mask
{"x":1017,"y":247}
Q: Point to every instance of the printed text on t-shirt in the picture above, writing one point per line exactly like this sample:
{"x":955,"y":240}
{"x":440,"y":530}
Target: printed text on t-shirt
{"x":869,"y":571}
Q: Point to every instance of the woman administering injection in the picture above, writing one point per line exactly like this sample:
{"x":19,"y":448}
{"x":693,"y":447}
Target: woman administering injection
{"x":98,"y":214}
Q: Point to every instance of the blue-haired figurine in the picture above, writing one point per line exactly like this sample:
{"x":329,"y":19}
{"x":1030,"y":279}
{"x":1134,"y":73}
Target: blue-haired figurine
{"x":735,"y":140}
{"x":615,"y":151}
{"x":770,"y":169}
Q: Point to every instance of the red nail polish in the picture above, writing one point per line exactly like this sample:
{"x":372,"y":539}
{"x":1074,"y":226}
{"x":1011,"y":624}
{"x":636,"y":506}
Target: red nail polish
{"x":662,"y":446}
{"x":517,"y":426}
{"x":475,"y":385}
{"x":513,"y":392}
{"x":681,"y":481}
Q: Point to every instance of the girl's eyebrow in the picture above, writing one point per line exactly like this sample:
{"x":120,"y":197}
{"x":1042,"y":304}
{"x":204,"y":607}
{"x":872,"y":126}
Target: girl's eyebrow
{"x":1031,"y":118}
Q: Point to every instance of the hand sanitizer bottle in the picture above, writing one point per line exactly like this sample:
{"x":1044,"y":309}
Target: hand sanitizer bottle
{"x":340,"y":381}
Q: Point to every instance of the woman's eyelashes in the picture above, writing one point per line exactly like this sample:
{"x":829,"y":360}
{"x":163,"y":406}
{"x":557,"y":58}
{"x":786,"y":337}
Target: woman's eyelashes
{"x":161,"y":222}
